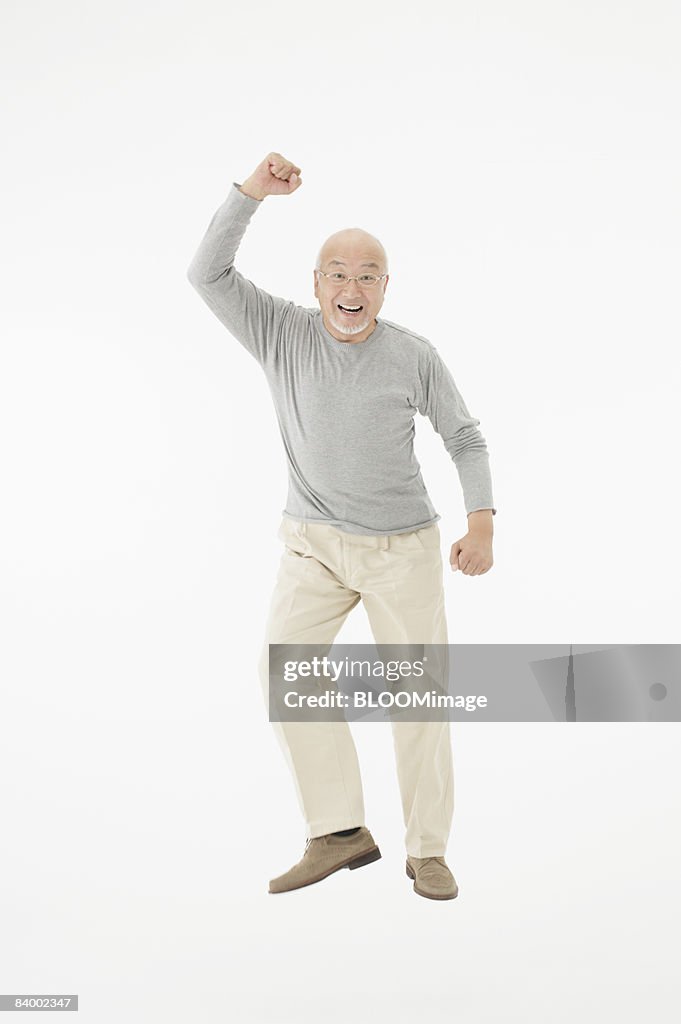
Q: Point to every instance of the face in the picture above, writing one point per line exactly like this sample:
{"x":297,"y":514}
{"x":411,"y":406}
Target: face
{"x":353,"y":253}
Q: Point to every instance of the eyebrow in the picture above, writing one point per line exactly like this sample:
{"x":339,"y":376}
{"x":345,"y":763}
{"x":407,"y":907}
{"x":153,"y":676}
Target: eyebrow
{"x":341,"y":263}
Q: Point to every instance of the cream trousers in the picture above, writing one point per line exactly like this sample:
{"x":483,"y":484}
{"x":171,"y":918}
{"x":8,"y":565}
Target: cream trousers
{"x":324,"y":572}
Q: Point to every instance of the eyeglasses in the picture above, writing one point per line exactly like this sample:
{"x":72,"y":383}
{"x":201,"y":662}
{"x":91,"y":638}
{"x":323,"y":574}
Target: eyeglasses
{"x":365,"y":280}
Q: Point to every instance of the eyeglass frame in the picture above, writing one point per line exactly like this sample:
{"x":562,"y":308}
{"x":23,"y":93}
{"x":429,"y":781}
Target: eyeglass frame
{"x":355,"y":278}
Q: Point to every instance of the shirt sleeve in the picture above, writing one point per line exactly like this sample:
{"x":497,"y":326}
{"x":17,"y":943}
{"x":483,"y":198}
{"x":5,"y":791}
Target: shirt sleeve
{"x":250,"y":314}
{"x":439,"y":399}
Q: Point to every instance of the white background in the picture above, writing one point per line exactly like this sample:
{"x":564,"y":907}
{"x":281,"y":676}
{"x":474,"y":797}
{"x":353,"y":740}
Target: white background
{"x":520,"y":162}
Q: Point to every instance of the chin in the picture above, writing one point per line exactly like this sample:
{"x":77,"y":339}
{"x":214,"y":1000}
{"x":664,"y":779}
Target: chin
{"x":350,"y":328}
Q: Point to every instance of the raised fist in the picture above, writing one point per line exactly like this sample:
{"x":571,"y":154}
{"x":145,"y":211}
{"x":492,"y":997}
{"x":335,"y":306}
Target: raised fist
{"x":275,"y":176}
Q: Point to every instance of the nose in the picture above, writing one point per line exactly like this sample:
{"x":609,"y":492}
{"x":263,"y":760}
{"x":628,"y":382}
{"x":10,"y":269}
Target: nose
{"x":347,"y":291}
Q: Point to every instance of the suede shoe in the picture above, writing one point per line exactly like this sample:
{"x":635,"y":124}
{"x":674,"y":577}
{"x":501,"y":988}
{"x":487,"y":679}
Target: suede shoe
{"x":326,"y":854}
{"x":432,"y":878}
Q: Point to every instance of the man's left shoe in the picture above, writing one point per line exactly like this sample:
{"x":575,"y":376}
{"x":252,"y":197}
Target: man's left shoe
{"x":432,"y":878}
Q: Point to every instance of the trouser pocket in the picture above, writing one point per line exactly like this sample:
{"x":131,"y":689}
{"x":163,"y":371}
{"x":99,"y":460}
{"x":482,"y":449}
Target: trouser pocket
{"x":290,"y":535}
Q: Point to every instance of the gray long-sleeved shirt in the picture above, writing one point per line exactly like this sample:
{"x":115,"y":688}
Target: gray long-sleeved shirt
{"x":346,"y":410}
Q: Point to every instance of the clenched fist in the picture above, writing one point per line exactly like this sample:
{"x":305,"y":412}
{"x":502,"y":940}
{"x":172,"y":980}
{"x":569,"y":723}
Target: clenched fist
{"x":275,"y":176}
{"x":472,"y":554}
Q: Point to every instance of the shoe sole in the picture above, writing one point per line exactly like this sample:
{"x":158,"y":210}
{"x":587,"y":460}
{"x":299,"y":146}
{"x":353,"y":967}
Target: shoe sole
{"x":429,"y":895}
{"x":358,"y":861}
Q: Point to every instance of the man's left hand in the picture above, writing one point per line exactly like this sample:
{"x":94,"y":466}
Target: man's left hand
{"x":472,"y":554}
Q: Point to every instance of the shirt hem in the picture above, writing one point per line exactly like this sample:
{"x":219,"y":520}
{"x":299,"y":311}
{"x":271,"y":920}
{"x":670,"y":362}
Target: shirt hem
{"x":348,"y":527}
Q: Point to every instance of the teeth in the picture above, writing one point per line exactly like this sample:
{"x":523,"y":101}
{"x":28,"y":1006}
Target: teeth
{"x":352,"y":309}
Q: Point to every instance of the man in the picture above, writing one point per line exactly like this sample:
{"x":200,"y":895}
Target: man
{"x":358,"y":523}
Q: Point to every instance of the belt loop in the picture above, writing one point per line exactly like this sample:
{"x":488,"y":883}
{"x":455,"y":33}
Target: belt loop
{"x":303,"y":529}
{"x":385,"y":542}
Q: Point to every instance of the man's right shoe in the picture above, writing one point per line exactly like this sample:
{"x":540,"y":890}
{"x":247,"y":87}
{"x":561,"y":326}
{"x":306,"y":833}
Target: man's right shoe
{"x":326,"y":854}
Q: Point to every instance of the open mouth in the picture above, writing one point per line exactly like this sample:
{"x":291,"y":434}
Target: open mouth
{"x":350,"y":310}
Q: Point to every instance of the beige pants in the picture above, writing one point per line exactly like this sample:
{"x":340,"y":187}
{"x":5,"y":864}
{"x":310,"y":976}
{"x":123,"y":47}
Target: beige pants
{"x":324,"y":573}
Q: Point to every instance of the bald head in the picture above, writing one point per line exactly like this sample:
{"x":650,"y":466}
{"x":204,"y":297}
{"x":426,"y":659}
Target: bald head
{"x":353,"y":246}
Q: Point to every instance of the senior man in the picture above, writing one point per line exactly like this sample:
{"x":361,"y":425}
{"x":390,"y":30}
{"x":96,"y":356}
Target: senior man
{"x":358,"y":523}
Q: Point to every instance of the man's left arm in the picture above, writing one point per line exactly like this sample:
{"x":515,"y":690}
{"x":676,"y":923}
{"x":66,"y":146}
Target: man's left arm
{"x":441,"y":401}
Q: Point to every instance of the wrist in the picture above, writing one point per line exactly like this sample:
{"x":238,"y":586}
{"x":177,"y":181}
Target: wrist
{"x":480,"y":522}
{"x":249,"y":190}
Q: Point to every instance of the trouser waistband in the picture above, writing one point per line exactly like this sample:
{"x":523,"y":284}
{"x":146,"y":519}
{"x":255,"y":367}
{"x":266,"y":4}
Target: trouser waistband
{"x":370,"y":540}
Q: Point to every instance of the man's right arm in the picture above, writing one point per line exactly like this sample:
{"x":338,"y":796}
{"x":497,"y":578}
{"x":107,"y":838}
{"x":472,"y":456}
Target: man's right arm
{"x":249,"y":313}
